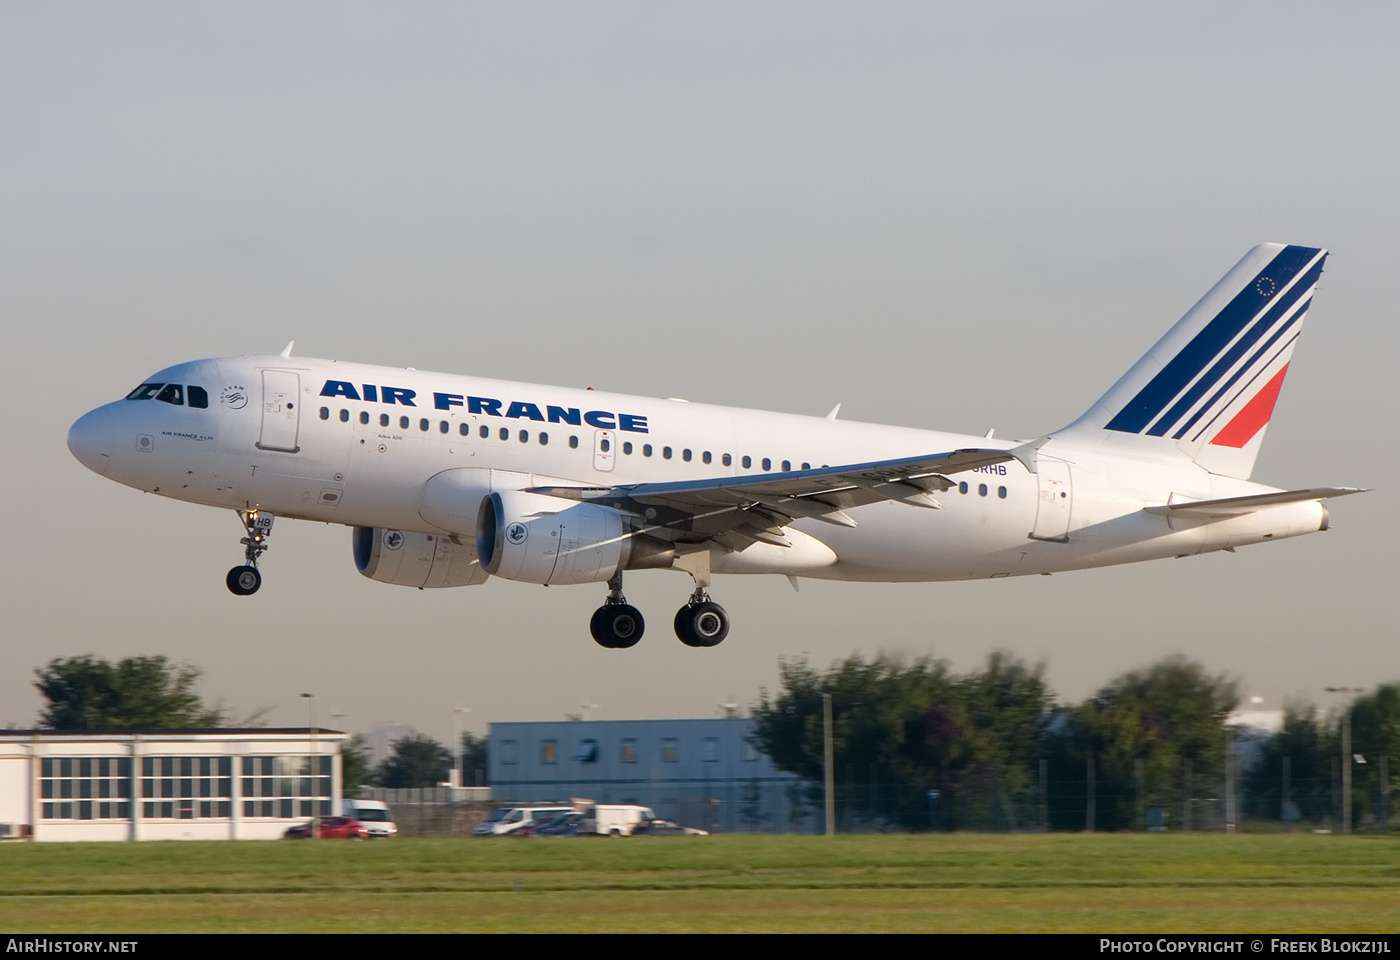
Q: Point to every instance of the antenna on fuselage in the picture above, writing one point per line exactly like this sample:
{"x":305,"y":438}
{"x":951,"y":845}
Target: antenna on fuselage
{"x":287,"y":350}
{"x":834,"y":411}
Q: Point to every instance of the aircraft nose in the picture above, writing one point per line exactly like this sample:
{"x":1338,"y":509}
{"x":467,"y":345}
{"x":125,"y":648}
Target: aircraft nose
{"x":90,"y":439}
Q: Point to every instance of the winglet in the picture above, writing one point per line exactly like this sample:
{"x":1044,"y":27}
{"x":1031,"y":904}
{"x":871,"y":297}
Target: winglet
{"x":287,"y":350}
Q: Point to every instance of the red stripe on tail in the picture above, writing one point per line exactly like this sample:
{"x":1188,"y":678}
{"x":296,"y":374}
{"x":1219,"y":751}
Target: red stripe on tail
{"x":1253,"y":417}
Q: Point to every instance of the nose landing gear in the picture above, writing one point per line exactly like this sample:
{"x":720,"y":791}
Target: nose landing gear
{"x":244,"y":581}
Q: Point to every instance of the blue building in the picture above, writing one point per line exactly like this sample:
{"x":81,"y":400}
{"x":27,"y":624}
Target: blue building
{"x":699,"y":773}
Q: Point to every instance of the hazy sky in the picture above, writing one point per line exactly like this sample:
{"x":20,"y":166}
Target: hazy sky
{"x":954,"y":216}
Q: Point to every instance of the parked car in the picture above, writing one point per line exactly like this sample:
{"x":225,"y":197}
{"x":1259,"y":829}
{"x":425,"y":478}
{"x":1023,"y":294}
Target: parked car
{"x":617,"y":819}
{"x":374,"y":814}
{"x":566,"y":825}
{"x":667,"y":828}
{"x":505,"y":821}
{"x":332,"y":828}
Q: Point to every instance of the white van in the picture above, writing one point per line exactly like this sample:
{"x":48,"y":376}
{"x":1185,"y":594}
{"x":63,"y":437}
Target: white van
{"x":505,"y":821}
{"x":373,"y":814}
{"x":616,"y":819}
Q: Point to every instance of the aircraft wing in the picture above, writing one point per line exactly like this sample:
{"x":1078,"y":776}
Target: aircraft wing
{"x":1234,"y":506}
{"x":737,"y":511}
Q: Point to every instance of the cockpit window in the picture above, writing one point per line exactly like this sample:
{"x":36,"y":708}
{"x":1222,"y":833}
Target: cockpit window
{"x":198,"y":397}
{"x":145,"y":392}
{"x":173,"y":393}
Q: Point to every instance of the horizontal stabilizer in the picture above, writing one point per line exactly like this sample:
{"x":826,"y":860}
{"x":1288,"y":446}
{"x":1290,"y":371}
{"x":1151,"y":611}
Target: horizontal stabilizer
{"x":1234,"y":506}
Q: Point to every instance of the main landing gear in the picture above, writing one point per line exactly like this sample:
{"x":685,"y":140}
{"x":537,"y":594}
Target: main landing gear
{"x":244,"y":581}
{"x":617,"y":624}
{"x":700,"y":623}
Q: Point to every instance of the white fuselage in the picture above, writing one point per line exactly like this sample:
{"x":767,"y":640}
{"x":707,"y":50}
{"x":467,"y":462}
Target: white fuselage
{"x":357,"y":445}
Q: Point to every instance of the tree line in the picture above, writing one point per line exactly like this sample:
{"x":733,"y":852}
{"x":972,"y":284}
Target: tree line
{"x":918,"y":746}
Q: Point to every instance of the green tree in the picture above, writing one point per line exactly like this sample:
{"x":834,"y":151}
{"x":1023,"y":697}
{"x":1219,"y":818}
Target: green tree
{"x":901,"y":729}
{"x":1147,"y":721}
{"x":415,"y":761}
{"x":137,"y":693}
{"x":354,"y":765}
{"x":1375,"y":733}
{"x":1307,"y":746}
{"x":475,"y":761}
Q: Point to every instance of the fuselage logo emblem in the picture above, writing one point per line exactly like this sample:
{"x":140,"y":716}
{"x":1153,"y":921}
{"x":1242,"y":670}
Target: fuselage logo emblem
{"x":516,"y":533}
{"x":393,"y":539}
{"x":235,"y":398}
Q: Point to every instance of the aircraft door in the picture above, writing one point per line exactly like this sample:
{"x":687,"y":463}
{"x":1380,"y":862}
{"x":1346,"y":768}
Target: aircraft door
{"x":1054,"y":502}
{"x":281,"y":411}
{"x":604,"y":442}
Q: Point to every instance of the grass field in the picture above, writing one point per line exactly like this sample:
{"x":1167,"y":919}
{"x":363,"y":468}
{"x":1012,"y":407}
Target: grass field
{"x":1164,"y":883}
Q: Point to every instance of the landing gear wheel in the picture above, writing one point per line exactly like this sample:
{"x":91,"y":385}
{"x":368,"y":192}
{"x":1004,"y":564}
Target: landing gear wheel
{"x":702,"y":624}
{"x":243,"y":581}
{"x":617,"y":625}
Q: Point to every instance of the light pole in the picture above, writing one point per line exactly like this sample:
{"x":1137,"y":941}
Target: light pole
{"x":315,"y":763}
{"x":1346,"y":754}
{"x":457,"y":746}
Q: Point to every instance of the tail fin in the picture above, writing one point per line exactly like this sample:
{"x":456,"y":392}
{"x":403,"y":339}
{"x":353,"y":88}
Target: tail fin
{"x":1210,"y":384}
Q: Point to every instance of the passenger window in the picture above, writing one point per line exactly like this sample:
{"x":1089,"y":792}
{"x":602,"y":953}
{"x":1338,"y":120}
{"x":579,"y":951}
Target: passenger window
{"x":747,"y":461}
{"x":806,"y":465}
{"x":485,"y":431}
{"x":787,"y":465}
{"x":685,"y":455}
{"x":981,"y":489}
{"x":666,"y":452}
{"x":198,"y":397}
{"x":705,"y":456}
{"x":728,"y":460}
{"x":767,"y":464}
{"x":605,"y":444}
{"x":464,"y":429}
{"x":544,"y":439}
{"x":403,"y":423}
{"x":383,"y":419}
{"x":627,"y":447}
{"x":524,"y":436}
{"x":1001,"y":492}
{"x":423,"y":424}
{"x":344,"y":416}
{"x":364,"y":417}
{"x":325,"y":413}
{"x":505,"y":434}
{"x":443,"y":427}
{"x":962,"y":487}
{"x":173,"y":394}
{"x":646,"y":449}
{"x":573,"y":443}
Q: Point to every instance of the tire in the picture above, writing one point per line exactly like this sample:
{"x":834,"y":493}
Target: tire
{"x":243,"y":581}
{"x":617,"y":626}
{"x":703,"y":624}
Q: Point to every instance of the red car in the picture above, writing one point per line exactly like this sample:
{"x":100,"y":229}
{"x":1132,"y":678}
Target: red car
{"x":332,"y":828}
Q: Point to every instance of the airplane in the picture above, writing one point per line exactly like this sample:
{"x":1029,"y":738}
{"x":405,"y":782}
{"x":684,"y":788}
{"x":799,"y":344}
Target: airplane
{"x":447,"y":480}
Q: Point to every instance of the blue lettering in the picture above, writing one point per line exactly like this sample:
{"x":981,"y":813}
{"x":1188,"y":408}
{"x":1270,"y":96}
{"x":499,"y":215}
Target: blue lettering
{"x":526,"y":410}
{"x":565,"y":415}
{"x":446,"y":401}
{"x":339,"y":388}
{"x":400,"y":395}
{"x":626,"y":421}
{"x":600,"y":419}
{"x":484,"y":405}
{"x":371,"y":392}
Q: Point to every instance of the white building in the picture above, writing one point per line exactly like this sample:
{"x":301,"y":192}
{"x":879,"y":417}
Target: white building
{"x":220,"y":784}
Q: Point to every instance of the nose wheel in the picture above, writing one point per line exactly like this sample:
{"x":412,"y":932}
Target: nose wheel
{"x":245,"y":580}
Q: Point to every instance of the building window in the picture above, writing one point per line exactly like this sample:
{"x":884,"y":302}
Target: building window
{"x":187,"y":788}
{"x":709,"y":750}
{"x":748,"y":752}
{"x":629,"y":751}
{"x":286,"y":786}
{"x":86,"y":788}
{"x":549,"y":751}
{"x":670,"y":750}
{"x":508,"y":753}
{"x":587,"y":751}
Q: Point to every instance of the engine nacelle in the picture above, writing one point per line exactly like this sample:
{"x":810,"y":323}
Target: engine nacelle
{"x":416,"y":559}
{"x":542,"y":539}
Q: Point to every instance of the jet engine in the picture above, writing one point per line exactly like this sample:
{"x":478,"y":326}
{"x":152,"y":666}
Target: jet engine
{"x":416,"y":559}
{"x":543,"y":539}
